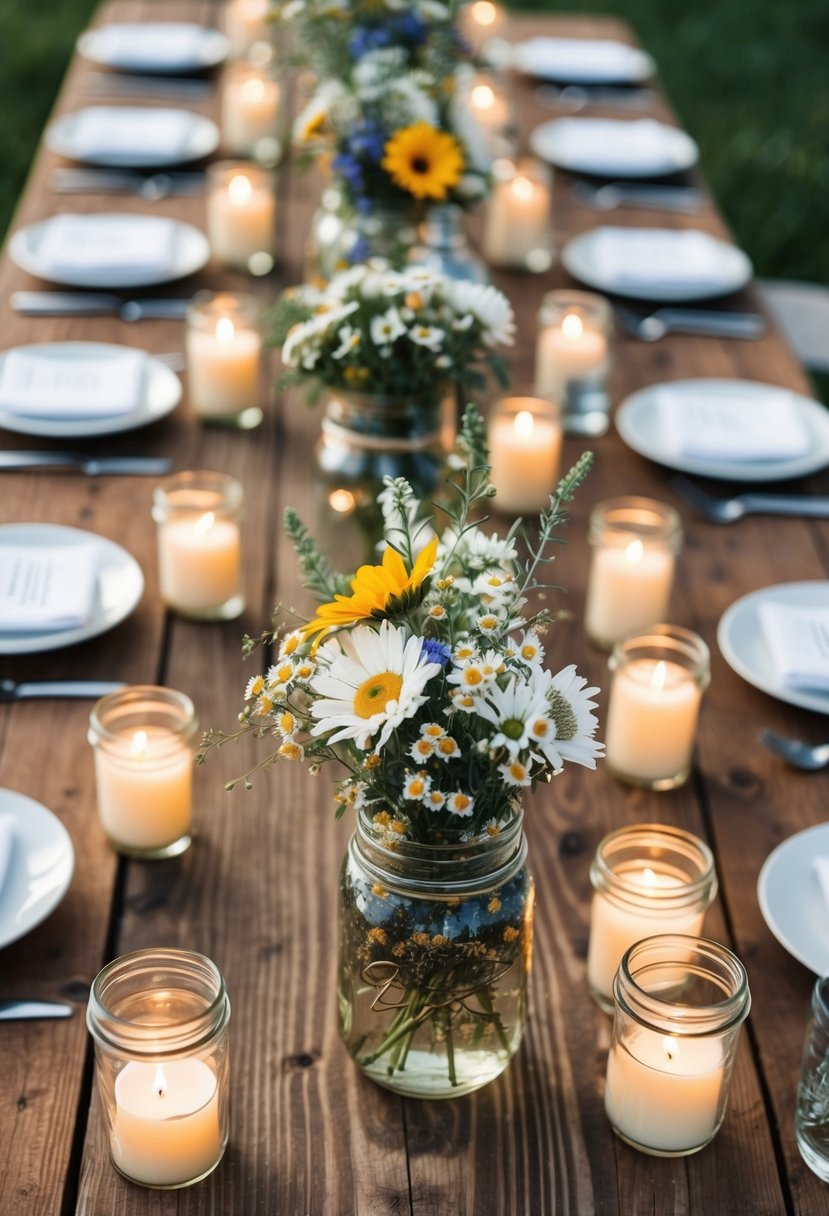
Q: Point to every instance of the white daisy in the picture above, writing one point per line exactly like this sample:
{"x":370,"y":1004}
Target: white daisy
{"x":287,"y":724}
{"x":374,"y":684}
{"x":435,"y":800}
{"x":461,"y":804}
{"x":466,"y":702}
{"x":477,"y":551}
{"x":255,"y":686}
{"x":489,"y":306}
{"x":427,"y":335}
{"x":350,"y":339}
{"x":569,"y":707}
{"x":290,"y":643}
{"x":514,"y":710}
{"x":515,"y":773}
{"x":447,"y":748}
{"x":416,"y":786}
{"x":386,"y":327}
{"x":529,"y":650}
{"x":289,"y":749}
{"x":432,"y":730}
{"x":422,"y":749}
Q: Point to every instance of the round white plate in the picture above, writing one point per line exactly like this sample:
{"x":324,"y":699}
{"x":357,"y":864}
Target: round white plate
{"x":744,"y":648}
{"x":120,"y":585}
{"x":201,"y":137}
{"x":191,"y":252}
{"x":728,"y":268}
{"x":148,"y":46}
{"x":791,"y":899}
{"x":614,"y":147}
{"x":638,"y":422}
{"x":161,"y":394}
{"x":40,"y":867}
{"x":582,"y":61}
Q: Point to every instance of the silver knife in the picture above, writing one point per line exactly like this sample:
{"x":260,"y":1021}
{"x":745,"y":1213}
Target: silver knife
{"x":24,"y":1011}
{"x":92,"y":466}
{"x":44,"y":690}
{"x":151,"y":186}
{"x":95,"y":304}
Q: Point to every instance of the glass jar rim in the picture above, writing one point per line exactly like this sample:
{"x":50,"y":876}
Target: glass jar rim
{"x":218,"y":170}
{"x":635,"y":517}
{"x":618,"y":890}
{"x":820,"y":1001}
{"x":112,"y":1030}
{"x":207,"y":308}
{"x":177,"y":704}
{"x":228,"y":490}
{"x":563,"y":299}
{"x":693,"y":955}
{"x":671,"y":643}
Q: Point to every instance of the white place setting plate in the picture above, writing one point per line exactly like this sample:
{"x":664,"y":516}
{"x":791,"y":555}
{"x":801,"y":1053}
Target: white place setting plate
{"x":110,"y":249}
{"x":158,"y":391}
{"x":745,"y":650}
{"x":649,"y":422}
{"x":658,"y":264}
{"x":118,"y":590}
{"x":132,"y":137}
{"x":614,"y":147}
{"x":582,"y":61}
{"x":791,"y":899}
{"x":155,"y":46}
{"x":40,"y":868}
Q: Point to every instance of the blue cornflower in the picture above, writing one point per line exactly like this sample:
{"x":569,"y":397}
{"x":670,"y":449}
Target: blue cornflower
{"x":436,"y":652}
{"x":410,"y":28}
{"x":368,"y":38}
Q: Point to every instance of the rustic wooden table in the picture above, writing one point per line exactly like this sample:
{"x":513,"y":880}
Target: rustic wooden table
{"x":257,"y":891}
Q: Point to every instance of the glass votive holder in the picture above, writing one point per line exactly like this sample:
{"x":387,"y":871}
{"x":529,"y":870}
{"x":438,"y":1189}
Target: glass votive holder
{"x":524,"y":438}
{"x":572,"y":357}
{"x":224,"y":359}
{"x":245,"y":24}
{"x":241,"y":216}
{"x":517,"y":231}
{"x":647,"y":879}
{"x":250,"y":112}
{"x":489,"y":104}
{"x":142,"y":739}
{"x":483,"y":26}
{"x":680,"y":1002}
{"x":658,"y":681}
{"x":635,"y":542}
{"x":158,"y":1019}
{"x":199,"y":545}
{"x":811,"y":1118}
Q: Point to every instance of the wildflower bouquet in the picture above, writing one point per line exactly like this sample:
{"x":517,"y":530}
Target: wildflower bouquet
{"x":424,"y":677}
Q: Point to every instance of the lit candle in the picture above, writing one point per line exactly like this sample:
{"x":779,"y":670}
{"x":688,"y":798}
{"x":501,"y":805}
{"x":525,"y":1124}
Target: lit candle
{"x":651,"y":722}
{"x":664,"y":1092}
{"x":224,"y":349}
{"x":250,"y":111}
{"x":480,"y":23}
{"x":246,"y":22}
{"x":166,"y":1129}
{"x":525,"y":448}
{"x":571,"y":349}
{"x":517,"y":230}
{"x":628,"y":589}
{"x":491,"y":108}
{"x":241,"y":210}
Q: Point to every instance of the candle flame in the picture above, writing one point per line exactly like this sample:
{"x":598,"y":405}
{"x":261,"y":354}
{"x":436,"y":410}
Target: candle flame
{"x":671,"y":1048}
{"x":483,"y":97}
{"x":523,"y":424}
{"x":648,"y":877}
{"x":239,"y":190}
{"x":341,"y":501}
{"x":634,"y":553}
{"x":204,"y":523}
{"x":225,"y":331}
{"x":253,"y":91}
{"x":659,"y":676}
{"x":139,"y":743}
{"x":572,"y":327}
{"x":523,"y":188}
{"x":484,"y":12}
{"x":160,"y":1083}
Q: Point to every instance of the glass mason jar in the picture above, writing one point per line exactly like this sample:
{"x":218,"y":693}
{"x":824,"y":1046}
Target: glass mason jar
{"x":386,"y":230}
{"x":241,"y":215}
{"x":250,"y":112}
{"x":434,"y":957}
{"x":811,"y":1119}
{"x":518,"y":229}
{"x":572,"y":357}
{"x":443,"y":248}
{"x":158,"y":1019}
{"x":198,"y":515}
{"x":224,"y":357}
{"x":142,"y":740}
{"x":635,"y":542}
{"x":658,"y":681}
{"x":680,"y":1002}
{"x":524,"y":437}
{"x":647,"y":879}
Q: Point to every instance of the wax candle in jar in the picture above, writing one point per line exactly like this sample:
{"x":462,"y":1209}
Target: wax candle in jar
{"x":680,"y":1002}
{"x":224,"y":354}
{"x":524,"y":438}
{"x":482,"y":24}
{"x":572,"y":357}
{"x":250,"y":112}
{"x":655,"y":696}
{"x":490,"y":107}
{"x":199,"y":544}
{"x":635,"y":542}
{"x":517,"y":229}
{"x":159,"y":1023}
{"x":246,"y":23}
{"x":241,"y":211}
{"x":142,"y":741}
{"x":647,"y":879}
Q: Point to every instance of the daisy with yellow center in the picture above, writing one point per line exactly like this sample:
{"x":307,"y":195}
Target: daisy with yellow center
{"x":287,"y":723}
{"x":264,"y":706}
{"x":464,"y":651}
{"x":461,"y":804}
{"x":416,"y":786}
{"x":515,"y":773}
{"x":435,"y":800}
{"x":255,"y":686}
{"x":432,"y":730}
{"x":489,"y":624}
{"x":448,"y":748}
{"x":423,"y":161}
{"x":377,"y":592}
{"x":422,"y":749}
{"x":289,"y":749}
{"x":281,"y":673}
{"x":463,"y":701}
{"x":290,"y":643}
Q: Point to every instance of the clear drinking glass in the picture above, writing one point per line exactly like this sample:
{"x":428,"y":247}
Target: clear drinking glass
{"x":811,"y":1120}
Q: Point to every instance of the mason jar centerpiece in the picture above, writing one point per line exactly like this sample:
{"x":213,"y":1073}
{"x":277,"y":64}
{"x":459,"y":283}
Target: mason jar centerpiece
{"x":423,"y":676}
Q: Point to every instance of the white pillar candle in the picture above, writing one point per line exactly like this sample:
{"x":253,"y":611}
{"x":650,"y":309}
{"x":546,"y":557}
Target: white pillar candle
{"x":165,"y":1128}
{"x":517,"y":223}
{"x":241,"y":213}
{"x":491,"y":109}
{"x":223,"y":368}
{"x":628,"y":589}
{"x":199,"y":561}
{"x":480,"y":23}
{"x":569,"y":349}
{"x":246,"y":22}
{"x":250,"y":110}
{"x":525,"y":449}
{"x":144,"y":787}
{"x":651,"y":720}
{"x":663,"y":1092}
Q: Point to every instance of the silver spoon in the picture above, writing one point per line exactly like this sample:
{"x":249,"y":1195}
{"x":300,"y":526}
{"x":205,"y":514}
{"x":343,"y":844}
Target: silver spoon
{"x":729,"y":510}
{"x":810,"y":757}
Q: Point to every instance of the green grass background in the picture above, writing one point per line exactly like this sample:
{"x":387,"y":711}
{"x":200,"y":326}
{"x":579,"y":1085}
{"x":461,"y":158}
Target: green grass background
{"x":748,"y":78}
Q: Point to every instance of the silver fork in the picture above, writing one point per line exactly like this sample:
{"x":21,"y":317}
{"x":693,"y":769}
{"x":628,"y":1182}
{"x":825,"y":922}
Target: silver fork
{"x":729,"y":510}
{"x":808,"y":756}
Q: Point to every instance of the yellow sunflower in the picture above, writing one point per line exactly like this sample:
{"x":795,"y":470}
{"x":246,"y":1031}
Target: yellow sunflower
{"x":378,"y":592}
{"x":424,"y":161}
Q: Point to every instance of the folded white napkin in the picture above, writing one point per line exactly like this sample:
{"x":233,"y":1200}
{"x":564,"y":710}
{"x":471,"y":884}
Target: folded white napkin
{"x":35,"y":386}
{"x":614,"y":146}
{"x":52,"y":588}
{"x":175,"y":45}
{"x":128,"y":133}
{"x":113,"y":244}
{"x":579,"y":58}
{"x":650,"y":257}
{"x":798,"y":642}
{"x":821,"y":865}
{"x":723,"y":426}
{"x":6,"y":844}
